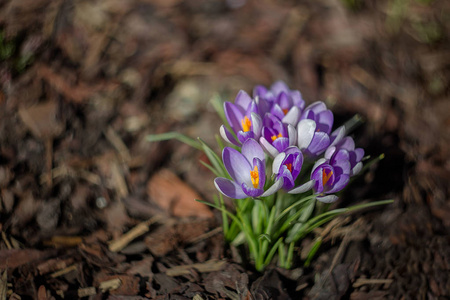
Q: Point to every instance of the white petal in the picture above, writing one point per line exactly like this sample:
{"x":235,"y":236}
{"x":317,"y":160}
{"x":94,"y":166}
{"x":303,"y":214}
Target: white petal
{"x":274,"y":188}
{"x":268,"y":147}
{"x":305,"y":131}
{"x":277,"y":162}
{"x":327,"y":198}
{"x":303,"y":188}
{"x":292,"y":133}
{"x":292,"y":116}
{"x":318,"y":163}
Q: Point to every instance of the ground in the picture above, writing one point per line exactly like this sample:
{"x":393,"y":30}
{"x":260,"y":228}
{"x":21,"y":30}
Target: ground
{"x":89,"y":207}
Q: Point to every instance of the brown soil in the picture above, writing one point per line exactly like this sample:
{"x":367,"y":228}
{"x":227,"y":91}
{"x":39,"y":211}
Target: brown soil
{"x":89,"y":208}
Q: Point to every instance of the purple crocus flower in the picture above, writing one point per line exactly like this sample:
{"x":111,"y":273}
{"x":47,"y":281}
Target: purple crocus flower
{"x":243,"y":118}
{"x":314,"y":130}
{"x":285,"y":104}
{"x":343,"y":149}
{"x":248,"y":172}
{"x":330,"y":176}
{"x":276,"y":136}
{"x":287,"y":166}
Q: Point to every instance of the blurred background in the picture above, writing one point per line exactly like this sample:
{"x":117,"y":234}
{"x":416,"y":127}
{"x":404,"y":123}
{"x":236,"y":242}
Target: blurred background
{"x":82,"y":83}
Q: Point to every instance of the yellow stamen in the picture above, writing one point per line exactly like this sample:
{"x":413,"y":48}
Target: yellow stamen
{"x":274,"y":137}
{"x":255,"y":177}
{"x":326,"y":177}
{"x":246,"y":124}
{"x":289,"y":166}
{"x":285,"y":110}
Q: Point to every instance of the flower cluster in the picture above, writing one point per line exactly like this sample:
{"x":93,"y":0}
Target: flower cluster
{"x":275,"y":126}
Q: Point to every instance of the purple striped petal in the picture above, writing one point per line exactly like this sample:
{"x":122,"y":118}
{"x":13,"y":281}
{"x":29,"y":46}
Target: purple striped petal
{"x":234,"y":115}
{"x":340,"y":183}
{"x":229,"y":188}
{"x":237,"y":165}
{"x":243,"y":100}
{"x":252,"y":149}
{"x":250,"y":191}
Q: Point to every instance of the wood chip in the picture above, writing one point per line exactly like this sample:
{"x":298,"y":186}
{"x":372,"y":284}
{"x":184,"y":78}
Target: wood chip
{"x":208,"y":266}
{"x":138,"y":230}
{"x":175,"y":196}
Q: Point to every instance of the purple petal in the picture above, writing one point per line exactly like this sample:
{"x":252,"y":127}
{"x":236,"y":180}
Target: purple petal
{"x":279,"y":87}
{"x":347,"y":143}
{"x":327,"y":198}
{"x":252,"y":149}
{"x":244,"y":136}
{"x":277,"y":111}
{"x":281,"y":143}
{"x":303,"y":188}
{"x":317,"y":107}
{"x":243,"y":100}
{"x":227,"y":136}
{"x":297,"y":99}
{"x":261,"y":165}
{"x":229,"y":188}
{"x":359,"y":154}
{"x":305,"y":131}
{"x":259,"y":91}
{"x":325,"y":121}
{"x":237,"y":165}
{"x":249,"y":190}
{"x":340,"y":183}
{"x":288,"y":182}
{"x":234,"y":115}
{"x":319,"y":143}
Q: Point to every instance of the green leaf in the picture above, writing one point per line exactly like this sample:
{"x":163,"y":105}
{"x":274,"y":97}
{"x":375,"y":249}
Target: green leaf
{"x":265,"y":236}
{"x":214,"y":159}
{"x":314,"y":248}
{"x":173,"y":135}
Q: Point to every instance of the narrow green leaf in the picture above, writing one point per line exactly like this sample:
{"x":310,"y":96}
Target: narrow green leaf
{"x":265,"y":236}
{"x":315,"y":247}
{"x":174,"y":136}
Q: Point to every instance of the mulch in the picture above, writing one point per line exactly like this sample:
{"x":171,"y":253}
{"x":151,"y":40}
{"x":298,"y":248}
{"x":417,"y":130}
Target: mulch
{"x":90,"y":208}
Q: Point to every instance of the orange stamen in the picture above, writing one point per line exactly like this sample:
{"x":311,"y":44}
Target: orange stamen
{"x":326,"y":177}
{"x":274,"y":137}
{"x":289,"y":166}
{"x":255,"y":177}
{"x":246,"y":124}
{"x":285,"y":110}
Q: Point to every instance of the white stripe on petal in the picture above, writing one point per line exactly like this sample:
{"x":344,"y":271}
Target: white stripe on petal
{"x":268,"y":147}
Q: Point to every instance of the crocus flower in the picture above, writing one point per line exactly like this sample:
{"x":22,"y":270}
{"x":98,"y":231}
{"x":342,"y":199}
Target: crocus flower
{"x":285,"y":104}
{"x":330,"y":176}
{"x":276,"y":136}
{"x":287,"y":166}
{"x":243,"y":118}
{"x":314,"y":130}
{"x":248,"y":172}
{"x":343,"y":149}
